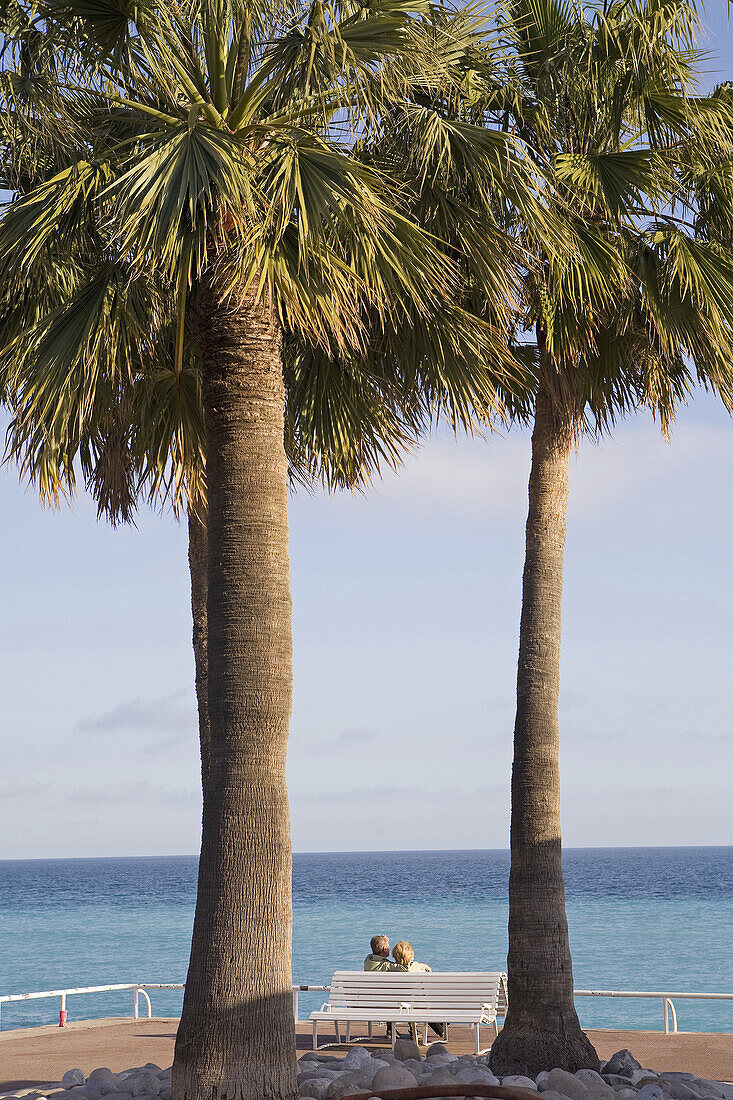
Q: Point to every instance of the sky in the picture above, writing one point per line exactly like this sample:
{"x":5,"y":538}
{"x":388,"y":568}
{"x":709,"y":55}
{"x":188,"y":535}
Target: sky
{"x":406,"y":612}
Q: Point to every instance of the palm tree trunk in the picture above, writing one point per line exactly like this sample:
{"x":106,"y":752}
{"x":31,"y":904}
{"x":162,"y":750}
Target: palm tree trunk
{"x":542,"y":1028}
{"x":198,"y":564}
{"x":236,"y":1037}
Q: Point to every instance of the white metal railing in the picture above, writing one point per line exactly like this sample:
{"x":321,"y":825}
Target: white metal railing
{"x":141,"y":988}
{"x":137,"y":988}
{"x":668,"y":1009}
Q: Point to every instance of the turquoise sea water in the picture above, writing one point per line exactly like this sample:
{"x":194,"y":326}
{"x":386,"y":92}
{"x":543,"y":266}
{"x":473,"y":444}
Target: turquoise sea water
{"x":644,"y":919}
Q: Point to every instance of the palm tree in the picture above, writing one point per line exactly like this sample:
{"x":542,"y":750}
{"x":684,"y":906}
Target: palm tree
{"x":602,"y":101}
{"x":201,"y":218}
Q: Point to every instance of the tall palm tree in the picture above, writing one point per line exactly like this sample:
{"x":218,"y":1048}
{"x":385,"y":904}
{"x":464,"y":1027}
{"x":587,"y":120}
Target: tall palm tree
{"x":601,"y":100}
{"x":206,"y":215}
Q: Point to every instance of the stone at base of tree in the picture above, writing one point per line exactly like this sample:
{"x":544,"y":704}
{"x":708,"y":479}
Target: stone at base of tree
{"x":622,"y":1062}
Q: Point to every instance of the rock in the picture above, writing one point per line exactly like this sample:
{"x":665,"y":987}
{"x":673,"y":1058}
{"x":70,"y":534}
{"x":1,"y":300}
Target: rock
{"x":650,"y":1092}
{"x":73,"y":1077}
{"x":86,"y":1092}
{"x":310,"y":1056}
{"x":146,"y":1084}
{"x":541,"y":1079}
{"x":435,"y":1048}
{"x":587,"y":1075}
{"x":559,"y":1080}
{"x":515,"y":1080}
{"x":681,"y":1090}
{"x":117,"y":1096}
{"x":153,"y":1068}
{"x":616,"y":1081}
{"x":475,"y":1075}
{"x":352,"y":1090}
{"x":710,"y":1088}
{"x":413,"y":1064}
{"x":393,"y":1077}
{"x":439,"y":1076}
{"x":103,"y":1081}
{"x":355,"y":1058}
{"x":317,"y":1088}
{"x":371,"y":1068}
{"x":622,"y":1062}
{"x":551,"y":1094}
{"x":407,"y":1048}
{"x":640,"y":1077}
{"x":340,"y":1084}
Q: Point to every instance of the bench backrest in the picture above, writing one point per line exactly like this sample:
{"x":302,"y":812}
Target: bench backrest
{"x":440,"y":992}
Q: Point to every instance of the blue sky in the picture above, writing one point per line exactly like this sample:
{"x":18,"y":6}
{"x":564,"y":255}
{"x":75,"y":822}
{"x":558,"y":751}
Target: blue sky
{"x":406,"y":610}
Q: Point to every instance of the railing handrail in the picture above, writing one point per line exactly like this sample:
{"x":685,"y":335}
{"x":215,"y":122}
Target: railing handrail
{"x":141,"y":987}
{"x":646,"y":993}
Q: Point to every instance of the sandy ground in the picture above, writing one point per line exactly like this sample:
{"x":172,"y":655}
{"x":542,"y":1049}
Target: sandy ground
{"x":32,"y":1057}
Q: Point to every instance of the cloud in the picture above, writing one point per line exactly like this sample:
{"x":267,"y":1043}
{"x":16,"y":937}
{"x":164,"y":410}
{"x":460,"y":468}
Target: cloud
{"x":478,"y":479}
{"x":173,"y":713}
{"x":136,"y":793}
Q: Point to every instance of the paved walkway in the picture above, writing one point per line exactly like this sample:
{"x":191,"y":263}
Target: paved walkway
{"x":33,"y":1057}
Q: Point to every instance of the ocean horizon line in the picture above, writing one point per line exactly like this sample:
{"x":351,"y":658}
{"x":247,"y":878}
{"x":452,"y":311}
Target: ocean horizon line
{"x":381,"y":852}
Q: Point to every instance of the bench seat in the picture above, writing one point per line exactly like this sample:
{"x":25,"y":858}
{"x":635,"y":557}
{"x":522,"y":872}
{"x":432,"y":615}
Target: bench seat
{"x":357,"y":996}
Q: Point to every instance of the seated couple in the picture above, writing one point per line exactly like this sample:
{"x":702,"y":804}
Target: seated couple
{"x":402,"y":953}
{"x":404,"y":961}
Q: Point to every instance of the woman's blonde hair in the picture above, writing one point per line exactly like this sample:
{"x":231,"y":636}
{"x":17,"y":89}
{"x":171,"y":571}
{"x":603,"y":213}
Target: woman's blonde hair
{"x":402,"y":953}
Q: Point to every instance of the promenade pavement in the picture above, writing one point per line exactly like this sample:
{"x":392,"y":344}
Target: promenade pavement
{"x":33,"y":1057}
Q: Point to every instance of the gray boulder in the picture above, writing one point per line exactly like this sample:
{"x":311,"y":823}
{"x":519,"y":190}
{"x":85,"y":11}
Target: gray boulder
{"x":650,"y":1092}
{"x":439,"y":1076}
{"x":622,"y":1062}
{"x":710,"y":1088}
{"x":435,"y":1049}
{"x":86,"y":1092}
{"x":515,"y":1080}
{"x":474,"y":1075}
{"x":146,"y":1084}
{"x":316,"y":1088}
{"x":72,"y":1077}
{"x":541,"y":1079}
{"x":339,"y":1084}
{"x":393,"y":1077}
{"x":104,"y":1081}
{"x":616,"y":1081}
{"x":355,"y":1058}
{"x":551,"y":1094}
{"x":681,"y":1090}
{"x":588,"y":1075}
{"x":559,"y":1080}
{"x":407,"y":1048}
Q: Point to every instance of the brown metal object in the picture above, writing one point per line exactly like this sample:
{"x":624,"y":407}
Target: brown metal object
{"x":423,"y":1092}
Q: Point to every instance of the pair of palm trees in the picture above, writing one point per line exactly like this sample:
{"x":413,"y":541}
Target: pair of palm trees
{"x":253,"y":243}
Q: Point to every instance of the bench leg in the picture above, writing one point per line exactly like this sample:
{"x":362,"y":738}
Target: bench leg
{"x":370,"y":1029}
{"x":315,"y":1034}
{"x":478,"y":1044}
{"x":348,"y":1031}
{"x":394,"y":1035}
{"x":338,"y":1032}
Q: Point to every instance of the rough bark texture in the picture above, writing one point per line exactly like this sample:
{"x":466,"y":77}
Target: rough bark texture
{"x":198,"y":564}
{"x":236,"y":1037}
{"x":542,"y":1028}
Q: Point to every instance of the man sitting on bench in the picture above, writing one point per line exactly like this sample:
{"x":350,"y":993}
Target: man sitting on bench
{"x":379,"y":958}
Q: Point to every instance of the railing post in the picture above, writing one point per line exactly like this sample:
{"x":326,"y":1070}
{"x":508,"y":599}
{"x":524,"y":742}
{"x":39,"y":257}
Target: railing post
{"x":62,"y":1013}
{"x":136,"y":1004}
{"x":295,"y":1005}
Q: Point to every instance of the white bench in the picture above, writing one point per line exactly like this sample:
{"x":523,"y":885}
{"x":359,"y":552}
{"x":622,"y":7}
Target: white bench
{"x":373,"y":996}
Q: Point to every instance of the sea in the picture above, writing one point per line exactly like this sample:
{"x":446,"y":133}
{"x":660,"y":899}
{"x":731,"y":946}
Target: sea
{"x":657,"y":919}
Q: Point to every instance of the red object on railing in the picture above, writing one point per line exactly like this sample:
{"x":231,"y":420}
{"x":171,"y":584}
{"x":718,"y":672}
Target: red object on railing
{"x":62,"y":1017}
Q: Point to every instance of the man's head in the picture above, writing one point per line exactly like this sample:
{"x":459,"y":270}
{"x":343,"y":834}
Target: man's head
{"x":380,"y":945}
